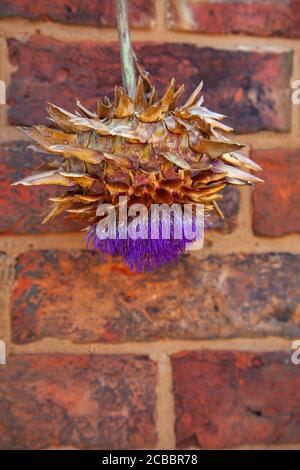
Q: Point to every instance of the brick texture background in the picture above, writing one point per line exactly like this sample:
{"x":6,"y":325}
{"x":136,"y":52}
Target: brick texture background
{"x":197,"y":354}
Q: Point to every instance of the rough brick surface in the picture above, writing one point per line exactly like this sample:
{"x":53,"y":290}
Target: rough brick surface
{"x":261,"y":18}
{"x":227,"y":399}
{"x":81,"y":12}
{"x":229,"y":205}
{"x":250,"y":87}
{"x":80,"y":296}
{"x":22,"y":208}
{"x":80,"y":401}
{"x":277,"y":201}
{"x":6,"y":274}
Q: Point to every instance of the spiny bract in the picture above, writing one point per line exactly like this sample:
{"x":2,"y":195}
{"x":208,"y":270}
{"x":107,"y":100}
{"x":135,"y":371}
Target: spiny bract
{"x":152,"y":151}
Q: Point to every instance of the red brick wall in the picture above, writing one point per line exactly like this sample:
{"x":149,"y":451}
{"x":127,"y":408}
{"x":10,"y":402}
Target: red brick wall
{"x":194,"y":355}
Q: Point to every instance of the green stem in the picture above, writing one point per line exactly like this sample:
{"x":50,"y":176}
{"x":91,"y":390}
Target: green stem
{"x":127,"y":61}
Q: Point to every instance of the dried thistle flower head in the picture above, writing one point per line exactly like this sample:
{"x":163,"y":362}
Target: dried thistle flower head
{"x":150,"y":150}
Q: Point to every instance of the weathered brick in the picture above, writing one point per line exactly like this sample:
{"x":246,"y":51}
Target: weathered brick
{"x":229,"y":205}
{"x":227,"y":399}
{"x":277,"y":201}
{"x":6,"y":275}
{"x":82,"y":12}
{"x":249,"y":86}
{"x":82,"y":297}
{"x":22,"y":208}
{"x":80,"y":401}
{"x":261,"y":17}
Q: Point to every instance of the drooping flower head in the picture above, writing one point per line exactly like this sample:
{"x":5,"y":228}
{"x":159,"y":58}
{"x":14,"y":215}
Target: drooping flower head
{"x":151,"y":151}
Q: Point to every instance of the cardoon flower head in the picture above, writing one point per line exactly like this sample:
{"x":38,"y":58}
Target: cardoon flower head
{"x":150,"y":150}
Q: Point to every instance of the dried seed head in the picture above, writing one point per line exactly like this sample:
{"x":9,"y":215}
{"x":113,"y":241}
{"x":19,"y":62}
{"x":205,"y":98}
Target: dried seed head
{"x":150,"y":150}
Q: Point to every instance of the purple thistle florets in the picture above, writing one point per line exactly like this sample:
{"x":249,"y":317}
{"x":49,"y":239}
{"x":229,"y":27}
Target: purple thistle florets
{"x":142,"y":254}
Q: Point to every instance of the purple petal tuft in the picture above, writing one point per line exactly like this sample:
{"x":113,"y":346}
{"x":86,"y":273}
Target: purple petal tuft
{"x":141,"y":255}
